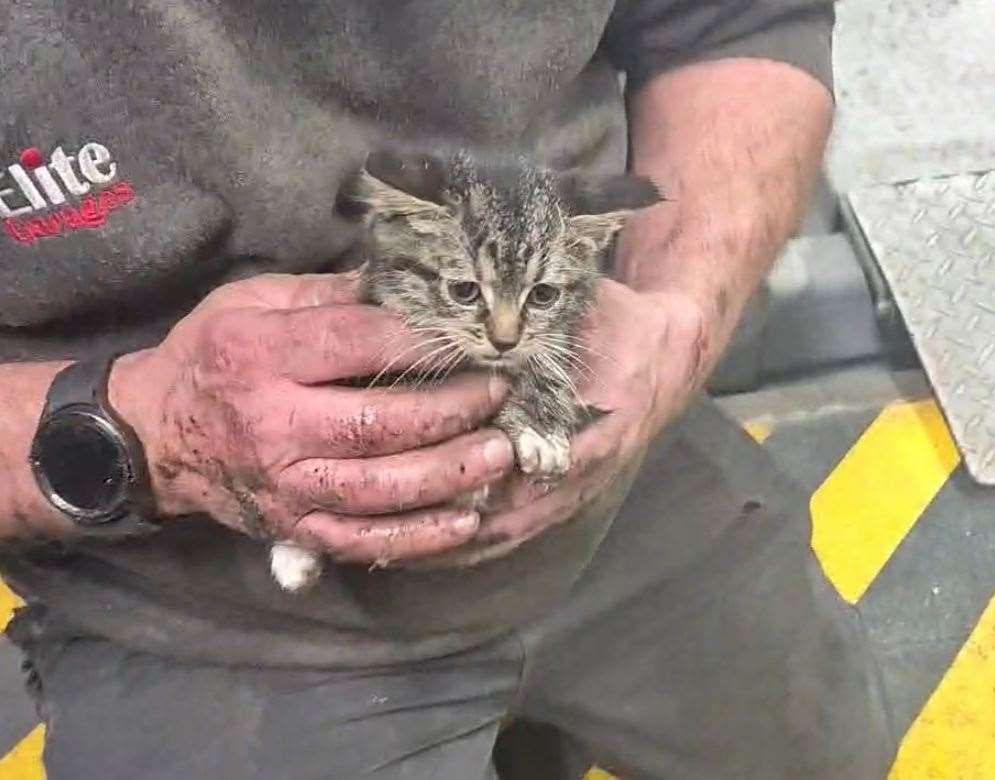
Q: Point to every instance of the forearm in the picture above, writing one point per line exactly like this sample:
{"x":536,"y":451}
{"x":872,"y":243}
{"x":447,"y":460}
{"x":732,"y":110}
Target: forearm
{"x":24,"y":512}
{"x":736,"y":145}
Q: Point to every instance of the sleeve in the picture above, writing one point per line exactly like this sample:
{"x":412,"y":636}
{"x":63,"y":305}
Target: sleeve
{"x":647,"y":37}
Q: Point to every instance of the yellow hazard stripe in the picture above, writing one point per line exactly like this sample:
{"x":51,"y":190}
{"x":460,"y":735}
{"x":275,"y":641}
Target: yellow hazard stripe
{"x":760,"y":430}
{"x":954,"y":735}
{"x":8,"y":603}
{"x":24,"y":761}
{"x":878,"y":491}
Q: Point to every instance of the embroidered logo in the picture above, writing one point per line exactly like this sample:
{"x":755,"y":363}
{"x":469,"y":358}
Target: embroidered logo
{"x":89,"y":177}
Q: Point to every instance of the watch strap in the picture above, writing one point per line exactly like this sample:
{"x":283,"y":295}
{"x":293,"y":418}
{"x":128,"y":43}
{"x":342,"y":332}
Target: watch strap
{"x":84,"y":383}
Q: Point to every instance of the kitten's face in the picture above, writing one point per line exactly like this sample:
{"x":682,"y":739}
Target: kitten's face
{"x":494,"y":266}
{"x":512,"y":298}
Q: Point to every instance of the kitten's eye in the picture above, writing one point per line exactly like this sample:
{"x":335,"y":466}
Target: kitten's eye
{"x":543,"y":295}
{"x":464,"y":292}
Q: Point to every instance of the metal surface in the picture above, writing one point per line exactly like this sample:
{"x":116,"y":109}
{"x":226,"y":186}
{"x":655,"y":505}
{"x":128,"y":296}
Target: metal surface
{"x":915,"y":89}
{"x":934,"y":240}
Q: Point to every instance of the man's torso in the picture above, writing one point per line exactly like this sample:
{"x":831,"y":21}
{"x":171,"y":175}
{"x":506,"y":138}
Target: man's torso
{"x":234,"y":123}
{"x":210,"y":139}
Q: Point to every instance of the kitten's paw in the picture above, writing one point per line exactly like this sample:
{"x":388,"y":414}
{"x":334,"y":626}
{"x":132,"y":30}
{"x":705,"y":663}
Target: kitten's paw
{"x":476,"y":500}
{"x":542,"y":455}
{"x":293,"y":567}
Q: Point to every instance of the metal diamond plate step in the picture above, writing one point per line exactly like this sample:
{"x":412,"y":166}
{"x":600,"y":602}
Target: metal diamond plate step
{"x":934,"y":241}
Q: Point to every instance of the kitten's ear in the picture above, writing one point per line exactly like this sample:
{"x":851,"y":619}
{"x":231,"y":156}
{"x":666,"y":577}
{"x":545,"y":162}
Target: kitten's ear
{"x":393,"y":183}
{"x":600,"y":204}
{"x":597,"y":230}
{"x":422,"y":176}
{"x":583,"y":193}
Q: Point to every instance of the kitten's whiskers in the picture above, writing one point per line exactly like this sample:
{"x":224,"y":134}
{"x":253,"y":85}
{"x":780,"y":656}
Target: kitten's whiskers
{"x":393,"y":361}
{"x":568,"y":355}
{"x":549,"y":366}
{"x":573,"y":361}
{"x":425,"y":359}
{"x":446,"y":358}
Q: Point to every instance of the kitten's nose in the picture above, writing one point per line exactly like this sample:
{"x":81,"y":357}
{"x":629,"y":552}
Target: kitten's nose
{"x":503,"y":345}
{"x":504,"y":327}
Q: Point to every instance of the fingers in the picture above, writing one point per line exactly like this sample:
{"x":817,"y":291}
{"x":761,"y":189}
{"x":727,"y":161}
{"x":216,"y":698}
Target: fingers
{"x":324,"y":289}
{"x":314,"y":330}
{"x":526,"y":506}
{"x":549,"y":506}
{"x":599,"y":442}
{"x":291,"y":291}
{"x":336,"y":422}
{"x":400,"y":419}
{"x":397,"y":483}
{"x":329,"y":343}
{"x":384,"y":539}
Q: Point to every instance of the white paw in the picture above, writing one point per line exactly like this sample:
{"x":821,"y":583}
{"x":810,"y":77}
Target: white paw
{"x":475,"y":500}
{"x":293,"y":567}
{"x":478,"y":498}
{"x":542,"y":455}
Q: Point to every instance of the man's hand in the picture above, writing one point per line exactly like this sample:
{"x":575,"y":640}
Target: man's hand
{"x":240,"y":419}
{"x":643,"y":359}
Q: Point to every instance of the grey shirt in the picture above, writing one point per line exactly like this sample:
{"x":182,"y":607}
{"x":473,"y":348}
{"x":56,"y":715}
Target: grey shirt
{"x":151,"y":150}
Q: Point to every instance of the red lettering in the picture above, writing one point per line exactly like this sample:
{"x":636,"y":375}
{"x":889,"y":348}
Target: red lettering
{"x":52,"y":224}
{"x":124,"y":191}
{"x":91,"y":213}
{"x":16,"y":231}
{"x":107,"y":202}
{"x":37,"y":228}
{"x":72,"y":218}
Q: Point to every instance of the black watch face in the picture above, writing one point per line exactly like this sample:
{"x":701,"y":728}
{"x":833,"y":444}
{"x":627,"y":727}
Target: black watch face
{"x":81,"y":463}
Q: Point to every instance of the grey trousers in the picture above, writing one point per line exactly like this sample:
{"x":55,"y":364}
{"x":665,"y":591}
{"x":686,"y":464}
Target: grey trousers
{"x":702,"y":642}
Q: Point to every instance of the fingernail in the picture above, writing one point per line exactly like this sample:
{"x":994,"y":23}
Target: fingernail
{"x":466,"y":524}
{"x":497,"y":452}
{"x":496,"y":388}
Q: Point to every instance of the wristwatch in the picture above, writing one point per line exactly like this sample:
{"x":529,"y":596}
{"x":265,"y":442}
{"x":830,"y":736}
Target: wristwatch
{"x":88,"y":462}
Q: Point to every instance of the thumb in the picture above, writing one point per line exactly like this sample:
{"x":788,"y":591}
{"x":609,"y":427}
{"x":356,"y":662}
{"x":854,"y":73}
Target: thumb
{"x":323,"y":289}
{"x":293,"y":291}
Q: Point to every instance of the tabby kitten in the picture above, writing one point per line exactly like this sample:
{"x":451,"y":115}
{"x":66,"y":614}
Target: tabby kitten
{"x":494,"y":263}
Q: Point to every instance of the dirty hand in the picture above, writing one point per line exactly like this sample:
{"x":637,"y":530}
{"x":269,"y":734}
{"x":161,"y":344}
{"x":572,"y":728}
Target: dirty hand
{"x":644,"y":357}
{"x":240,"y":420}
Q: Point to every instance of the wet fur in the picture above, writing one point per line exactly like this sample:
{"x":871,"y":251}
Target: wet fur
{"x":506,"y":226}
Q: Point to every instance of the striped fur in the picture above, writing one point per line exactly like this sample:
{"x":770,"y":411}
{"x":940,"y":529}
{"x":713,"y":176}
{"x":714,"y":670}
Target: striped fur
{"x":517,"y":234}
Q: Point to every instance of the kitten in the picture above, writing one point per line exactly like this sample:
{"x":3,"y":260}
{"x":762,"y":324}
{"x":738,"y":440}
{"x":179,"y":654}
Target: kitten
{"x":494,"y":263}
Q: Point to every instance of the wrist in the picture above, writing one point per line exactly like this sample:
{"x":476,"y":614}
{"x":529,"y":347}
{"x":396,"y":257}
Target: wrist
{"x":695,"y":334}
{"x":134,"y":391}
{"x":704,"y":284}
